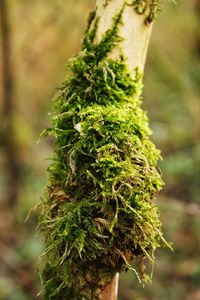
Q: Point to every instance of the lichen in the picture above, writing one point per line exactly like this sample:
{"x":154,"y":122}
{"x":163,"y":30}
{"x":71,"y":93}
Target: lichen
{"x":97,"y":215}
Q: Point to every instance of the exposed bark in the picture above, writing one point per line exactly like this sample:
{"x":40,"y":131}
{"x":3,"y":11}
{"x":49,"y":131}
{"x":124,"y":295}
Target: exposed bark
{"x":134,"y":31}
{"x":134,"y":47}
{"x":111,"y":290}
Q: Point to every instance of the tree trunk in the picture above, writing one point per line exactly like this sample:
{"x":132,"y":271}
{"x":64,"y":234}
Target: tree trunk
{"x":110,"y":292}
{"x":105,"y":95}
{"x":135,"y":32}
{"x":136,"y":35}
{"x":8,"y":135}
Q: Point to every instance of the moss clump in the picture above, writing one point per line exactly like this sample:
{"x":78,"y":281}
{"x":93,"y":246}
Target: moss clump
{"x":97,"y":215}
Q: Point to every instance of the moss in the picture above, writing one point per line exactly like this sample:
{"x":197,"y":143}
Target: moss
{"x":106,"y":3}
{"x":149,"y":8}
{"x":98,"y":216}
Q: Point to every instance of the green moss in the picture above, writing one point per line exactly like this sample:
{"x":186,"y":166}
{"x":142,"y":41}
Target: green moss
{"x":106,"y":2}
{"x":98,"y":216}
{"x":149,"y":8}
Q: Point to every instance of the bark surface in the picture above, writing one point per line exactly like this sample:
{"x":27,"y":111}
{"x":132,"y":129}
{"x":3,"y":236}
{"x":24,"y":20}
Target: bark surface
{"x":134,"y":31}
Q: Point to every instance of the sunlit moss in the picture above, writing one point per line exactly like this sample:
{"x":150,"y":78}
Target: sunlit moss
{"x":98,"y":215}
{"x":148,"y":8}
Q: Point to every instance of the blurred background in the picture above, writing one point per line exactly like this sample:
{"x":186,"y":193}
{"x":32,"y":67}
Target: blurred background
{"x":37,"y":39}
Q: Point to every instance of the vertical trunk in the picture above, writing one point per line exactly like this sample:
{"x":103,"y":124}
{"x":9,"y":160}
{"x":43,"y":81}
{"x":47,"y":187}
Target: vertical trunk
{"x":197,"y":7}
{"x":134,"y":31}
{"x":8,"y":141}
{"x":136,"y":35}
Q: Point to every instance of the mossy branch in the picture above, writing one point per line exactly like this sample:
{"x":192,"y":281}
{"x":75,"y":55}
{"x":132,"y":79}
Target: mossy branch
{"x":98,"y":216}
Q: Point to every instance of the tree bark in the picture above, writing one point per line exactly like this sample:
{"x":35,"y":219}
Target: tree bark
{"x":136,"y":35}
{"x":111,"y":290}
{"x":134,"y":31}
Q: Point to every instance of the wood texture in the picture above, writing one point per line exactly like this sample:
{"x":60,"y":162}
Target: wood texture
{"x":111,"y":290}
{"x":135,"y":33}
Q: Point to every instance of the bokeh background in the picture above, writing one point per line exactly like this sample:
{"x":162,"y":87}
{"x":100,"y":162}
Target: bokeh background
{"x":35,"y":46}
